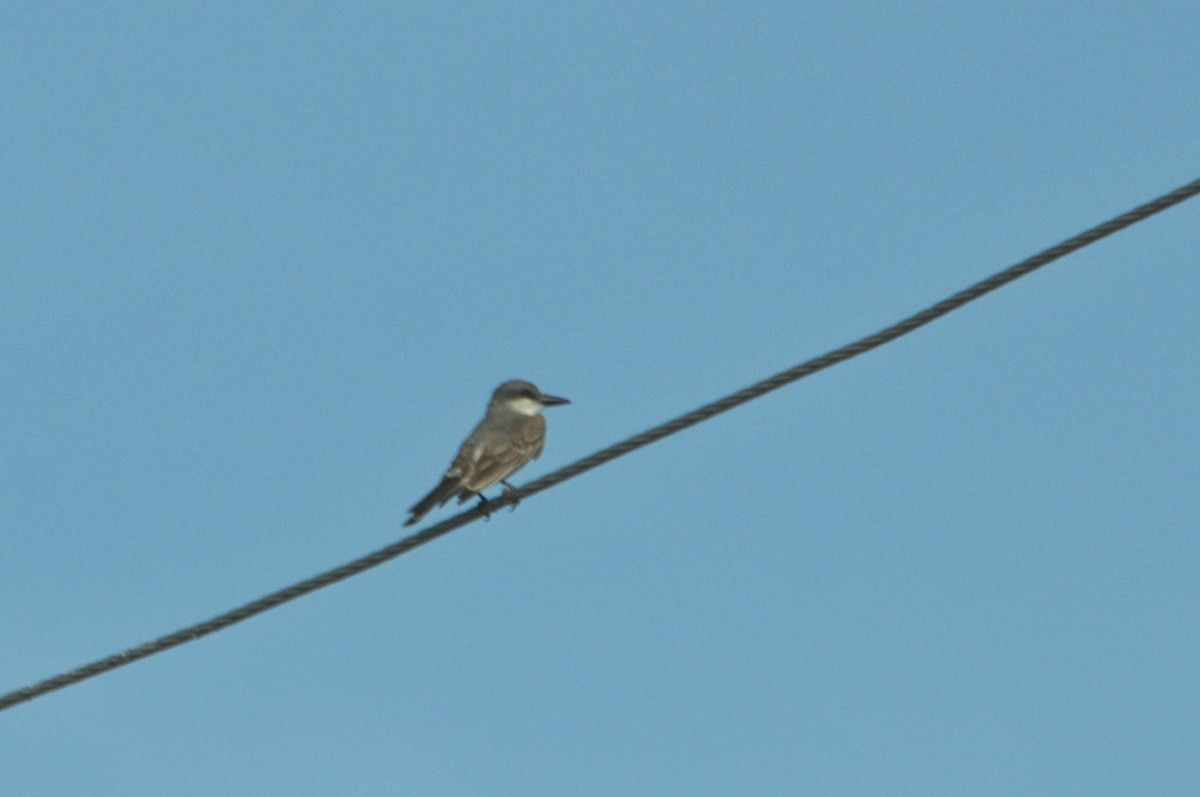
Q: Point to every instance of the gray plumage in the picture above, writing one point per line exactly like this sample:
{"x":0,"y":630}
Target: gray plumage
{"x":512,"y":433}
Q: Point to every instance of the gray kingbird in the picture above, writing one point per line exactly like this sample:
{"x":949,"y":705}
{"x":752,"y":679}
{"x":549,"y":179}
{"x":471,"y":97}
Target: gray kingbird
{"x":511,"y":433}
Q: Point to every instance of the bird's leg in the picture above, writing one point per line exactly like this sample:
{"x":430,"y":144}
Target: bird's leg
{"x":508,"y":488}
{"x":483,"y":506}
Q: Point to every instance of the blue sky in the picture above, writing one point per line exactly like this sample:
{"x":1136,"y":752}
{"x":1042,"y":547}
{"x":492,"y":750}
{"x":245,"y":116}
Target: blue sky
{"x":260,"y":269}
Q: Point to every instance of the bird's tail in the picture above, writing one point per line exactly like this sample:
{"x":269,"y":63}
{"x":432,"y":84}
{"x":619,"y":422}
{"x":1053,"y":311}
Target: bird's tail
{"x":438,"y":496}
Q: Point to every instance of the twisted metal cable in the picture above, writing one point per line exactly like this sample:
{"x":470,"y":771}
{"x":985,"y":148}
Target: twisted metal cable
{"x":692,"y":418}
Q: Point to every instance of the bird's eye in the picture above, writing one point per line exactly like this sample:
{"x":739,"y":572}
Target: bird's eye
{"x":527,"y":393}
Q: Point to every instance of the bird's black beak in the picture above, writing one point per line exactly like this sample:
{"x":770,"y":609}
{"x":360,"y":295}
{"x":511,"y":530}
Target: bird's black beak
{"x":552,"y":401}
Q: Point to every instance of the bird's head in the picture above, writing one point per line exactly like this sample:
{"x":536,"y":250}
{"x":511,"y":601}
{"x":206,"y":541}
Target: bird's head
{"x":524,"y":398}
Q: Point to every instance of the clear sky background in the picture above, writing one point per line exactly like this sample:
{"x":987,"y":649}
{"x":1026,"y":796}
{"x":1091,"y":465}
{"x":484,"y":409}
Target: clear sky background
{"x":262,"y":265}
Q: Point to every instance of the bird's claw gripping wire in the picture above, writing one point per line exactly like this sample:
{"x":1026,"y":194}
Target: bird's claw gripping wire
{"x":484,"y":505}
{"x":509,"y":490}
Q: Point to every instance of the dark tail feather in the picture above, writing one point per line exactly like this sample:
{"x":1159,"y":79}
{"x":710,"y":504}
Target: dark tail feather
{"x":438,"y":496}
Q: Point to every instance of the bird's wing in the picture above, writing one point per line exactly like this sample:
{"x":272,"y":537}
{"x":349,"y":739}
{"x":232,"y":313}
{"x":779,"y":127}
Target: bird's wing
{"x":502,"y":458}
{"x":495,"y":464}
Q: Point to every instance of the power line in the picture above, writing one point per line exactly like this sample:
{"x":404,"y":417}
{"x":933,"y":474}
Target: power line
{"x":696,"y":416}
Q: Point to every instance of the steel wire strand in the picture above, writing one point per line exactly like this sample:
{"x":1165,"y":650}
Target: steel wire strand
{"x":655,"y":434}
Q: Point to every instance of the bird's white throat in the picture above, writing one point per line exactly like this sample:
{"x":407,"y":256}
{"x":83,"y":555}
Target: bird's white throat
{"x":525,"y":406}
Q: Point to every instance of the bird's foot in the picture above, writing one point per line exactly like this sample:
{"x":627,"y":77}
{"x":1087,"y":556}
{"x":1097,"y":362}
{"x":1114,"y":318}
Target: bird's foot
{"x":509,"y":490}
{"x":483,"y":506}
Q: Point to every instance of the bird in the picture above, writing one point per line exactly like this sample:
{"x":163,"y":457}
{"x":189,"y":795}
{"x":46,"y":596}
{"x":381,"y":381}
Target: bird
{"x":512,"y":433}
